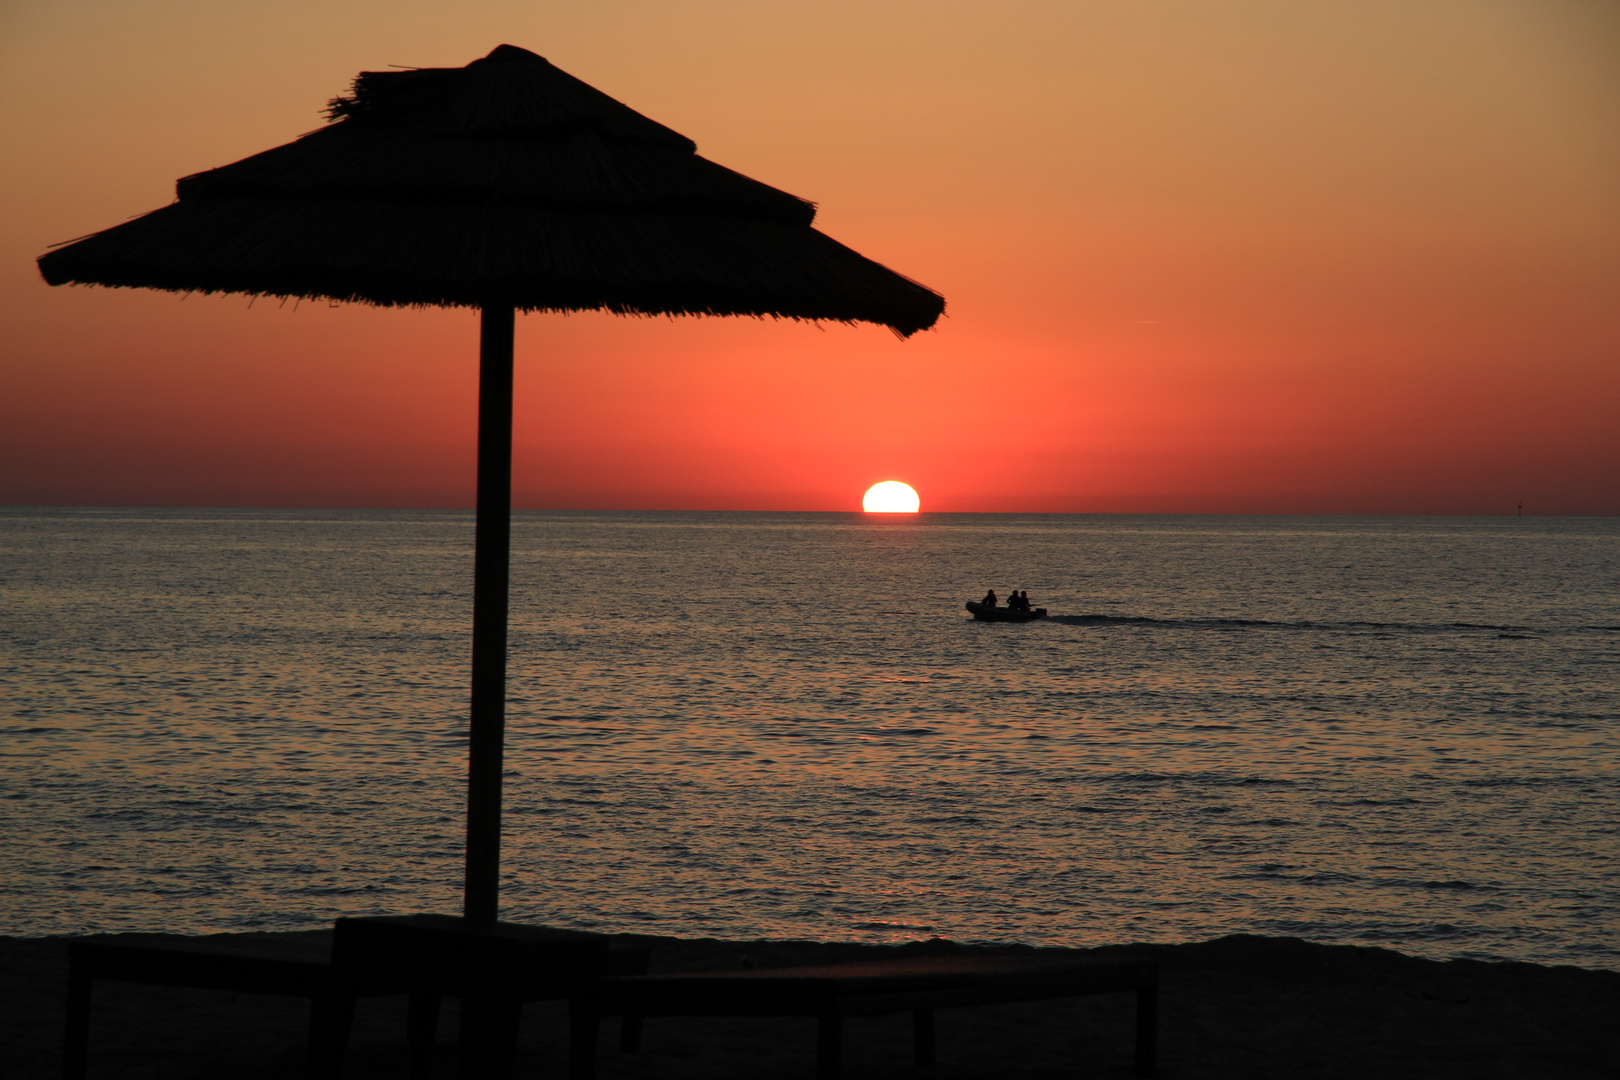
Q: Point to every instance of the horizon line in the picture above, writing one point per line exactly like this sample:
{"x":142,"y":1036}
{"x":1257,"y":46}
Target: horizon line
{"x":887,"y":515}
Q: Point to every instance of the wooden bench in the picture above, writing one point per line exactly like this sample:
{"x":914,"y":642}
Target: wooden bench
{"x":296,"y":965}
{"x":493,"y":968}
{"x":919,"y":985}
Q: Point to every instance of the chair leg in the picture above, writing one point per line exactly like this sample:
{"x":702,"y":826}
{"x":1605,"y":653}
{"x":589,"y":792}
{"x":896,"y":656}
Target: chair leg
{"x":1147,"y":1029}
{"x":469,"y":1039}
{"x":584,"y":1023}
{"x":829,"y":1045}
{"x":330,"y":1018}
{"x":421,"y":1030}
{"x":922,"y":1036}
{"x":630,"y":1033}
{"x":489,"y":1031}
{"x":76,"y":1037}
{"x":508,"y":1017}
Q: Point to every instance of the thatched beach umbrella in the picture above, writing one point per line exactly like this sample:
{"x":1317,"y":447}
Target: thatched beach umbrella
{"x":503,"y":185}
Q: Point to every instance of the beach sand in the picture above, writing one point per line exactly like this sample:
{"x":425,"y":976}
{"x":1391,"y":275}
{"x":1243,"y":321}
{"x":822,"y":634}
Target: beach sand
{"x":1237,"y":1007}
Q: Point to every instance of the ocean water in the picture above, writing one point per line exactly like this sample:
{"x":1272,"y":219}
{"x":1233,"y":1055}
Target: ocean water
{"x":1399,"y":732}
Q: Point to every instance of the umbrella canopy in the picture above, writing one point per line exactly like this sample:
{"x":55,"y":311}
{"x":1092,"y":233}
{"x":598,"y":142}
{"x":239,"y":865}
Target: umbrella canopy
{"x":504,"y":185}
{"x":506,"y":181}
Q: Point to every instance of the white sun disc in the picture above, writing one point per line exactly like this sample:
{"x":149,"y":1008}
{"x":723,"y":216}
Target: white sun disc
{"x":890,"y":497}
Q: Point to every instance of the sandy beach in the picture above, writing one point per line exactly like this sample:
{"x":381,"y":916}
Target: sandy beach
{"x":1239,"y":1006}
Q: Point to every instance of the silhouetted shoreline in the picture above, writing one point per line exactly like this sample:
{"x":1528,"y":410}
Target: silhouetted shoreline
{"x":1240,"y":1006}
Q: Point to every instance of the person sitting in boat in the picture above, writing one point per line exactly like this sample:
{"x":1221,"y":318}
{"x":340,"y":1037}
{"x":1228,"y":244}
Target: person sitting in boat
{"x":989,"y":599}
{"x":1016,"y":602}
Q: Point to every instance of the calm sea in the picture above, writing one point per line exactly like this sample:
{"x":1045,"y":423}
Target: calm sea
{"x":1399,"y":732}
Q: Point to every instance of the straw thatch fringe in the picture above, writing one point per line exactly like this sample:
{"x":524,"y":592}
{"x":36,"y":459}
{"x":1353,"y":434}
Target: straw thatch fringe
{"x":458,"y":254}
{"x":507,"y":181}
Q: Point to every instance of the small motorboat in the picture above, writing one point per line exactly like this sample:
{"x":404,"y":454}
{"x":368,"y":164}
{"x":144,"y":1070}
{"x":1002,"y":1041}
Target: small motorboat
{"x":985,"y":613}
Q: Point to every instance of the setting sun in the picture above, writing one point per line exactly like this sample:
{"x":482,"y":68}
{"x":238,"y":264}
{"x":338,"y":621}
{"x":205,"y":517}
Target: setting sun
{"x":890,"y":497}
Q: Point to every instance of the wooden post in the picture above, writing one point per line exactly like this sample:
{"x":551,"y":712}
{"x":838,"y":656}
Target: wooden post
{"x":922,"y":1037}
{"x":829,"y":1044}
{"x":491,"y":569}
{"x":1147,"y":1027}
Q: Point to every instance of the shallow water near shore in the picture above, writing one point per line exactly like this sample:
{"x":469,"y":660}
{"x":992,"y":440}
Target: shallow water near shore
{"x":1398,"y":732}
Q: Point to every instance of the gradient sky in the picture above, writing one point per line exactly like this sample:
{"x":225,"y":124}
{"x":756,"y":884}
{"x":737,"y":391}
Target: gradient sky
{"x":1336,"y":257}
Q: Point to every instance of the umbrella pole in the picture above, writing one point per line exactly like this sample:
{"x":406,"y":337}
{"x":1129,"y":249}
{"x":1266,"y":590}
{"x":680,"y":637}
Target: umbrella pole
{"x":491,"y":570}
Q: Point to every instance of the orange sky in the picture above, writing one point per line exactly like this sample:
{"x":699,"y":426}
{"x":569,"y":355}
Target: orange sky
{"x":1353,"y":257}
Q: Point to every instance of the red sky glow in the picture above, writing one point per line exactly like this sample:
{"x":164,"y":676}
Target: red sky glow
{"x":1238,"y":257}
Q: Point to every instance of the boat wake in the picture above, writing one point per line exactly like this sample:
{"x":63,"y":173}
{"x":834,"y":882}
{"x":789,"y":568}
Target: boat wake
{"x":1352,"y":626}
